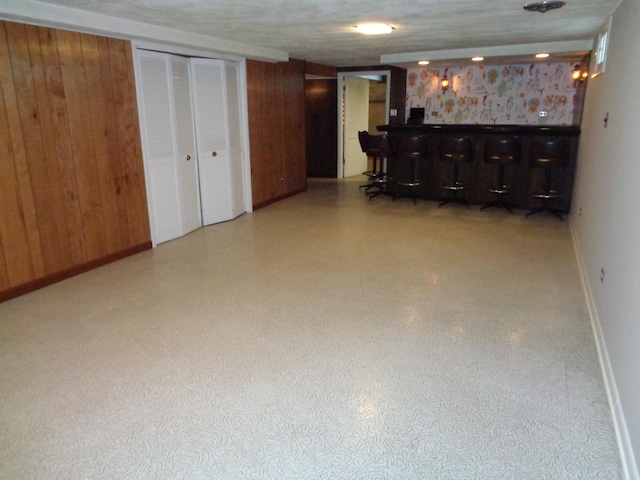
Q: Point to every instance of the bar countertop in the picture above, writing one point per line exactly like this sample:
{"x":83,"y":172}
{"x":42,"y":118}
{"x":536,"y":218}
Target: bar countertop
{"x":484,"y":128}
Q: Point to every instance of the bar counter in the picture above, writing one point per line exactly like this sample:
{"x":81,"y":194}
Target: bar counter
{"x":478,"y":176}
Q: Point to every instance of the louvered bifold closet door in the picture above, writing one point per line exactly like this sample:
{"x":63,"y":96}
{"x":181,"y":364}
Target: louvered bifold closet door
{"x":160,"y":149}
{"x":185,"y":144}
{"x":208,"y":86}
{"x":236,"y":170}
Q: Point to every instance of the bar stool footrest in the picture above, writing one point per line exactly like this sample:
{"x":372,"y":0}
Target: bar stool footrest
{"x":548,"y":195}
{"x":503,"y":190}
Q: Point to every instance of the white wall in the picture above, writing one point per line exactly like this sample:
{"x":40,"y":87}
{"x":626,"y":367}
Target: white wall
{"x":605,"y":218}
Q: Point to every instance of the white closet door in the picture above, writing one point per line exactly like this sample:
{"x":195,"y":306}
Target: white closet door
{"x":218,"y":142}
{"x":162,"y":169}
{"x":185,"y":144}
{"x":170,"y":154}
{"x":235,"y":139}
{"x":356,"y":112}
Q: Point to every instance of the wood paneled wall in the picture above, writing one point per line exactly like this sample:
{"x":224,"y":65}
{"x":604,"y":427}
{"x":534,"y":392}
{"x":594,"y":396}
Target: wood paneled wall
{"x":320,"y":69}
{"x":72,"y":191}
{"x":276,"y":98}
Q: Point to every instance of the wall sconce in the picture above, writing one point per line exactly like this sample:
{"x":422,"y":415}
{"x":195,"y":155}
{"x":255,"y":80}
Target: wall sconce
{"x":578,"y":75}
{"x":445,"y":81}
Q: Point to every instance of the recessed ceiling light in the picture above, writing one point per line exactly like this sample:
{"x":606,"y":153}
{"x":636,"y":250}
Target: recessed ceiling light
{"x":542,"y":55}
{"x":374,"y":28}
{"x":423,"y":62}
{"x":477,"y":59}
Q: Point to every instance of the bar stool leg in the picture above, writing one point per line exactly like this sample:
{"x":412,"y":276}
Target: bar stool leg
{"x":453,"y":189}
{"x":500,"y":191}
{"x":546,"y":196}
{"x":379,"y":182}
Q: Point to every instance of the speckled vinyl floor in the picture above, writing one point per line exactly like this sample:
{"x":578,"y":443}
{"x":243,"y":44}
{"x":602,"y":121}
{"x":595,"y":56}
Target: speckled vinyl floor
{"x":322,"y":337}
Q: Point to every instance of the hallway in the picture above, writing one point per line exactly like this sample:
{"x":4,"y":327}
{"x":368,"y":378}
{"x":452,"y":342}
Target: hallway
{"x":323,"y":337}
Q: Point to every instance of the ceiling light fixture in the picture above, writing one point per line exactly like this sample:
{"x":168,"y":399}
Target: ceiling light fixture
{"x":543,"y":7}
{"x":423,"y":62}
{"x":477,"y":59}
{"x":542,"y":55}
{"x":374,"y":28}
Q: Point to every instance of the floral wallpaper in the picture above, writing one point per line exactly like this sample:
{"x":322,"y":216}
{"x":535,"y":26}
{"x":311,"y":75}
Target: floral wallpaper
{"x":501,"y":94}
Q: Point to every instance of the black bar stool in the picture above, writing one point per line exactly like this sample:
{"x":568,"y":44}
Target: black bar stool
{"x":410,"y":151}
{"x":379,"y":149}
{"x":501,"y":151}
{"x":376,"y":147}
{"x":456,"y":150}
{"x":548,"y":154}
{"x":363,"y":138}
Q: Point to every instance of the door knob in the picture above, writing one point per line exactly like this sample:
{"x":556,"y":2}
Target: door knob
{"x":214,"y":154}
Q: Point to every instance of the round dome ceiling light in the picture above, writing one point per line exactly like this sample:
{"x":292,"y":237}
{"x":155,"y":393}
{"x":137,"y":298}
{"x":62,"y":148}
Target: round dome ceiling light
{"x":374,"y":28}
{"x":543,"y":7}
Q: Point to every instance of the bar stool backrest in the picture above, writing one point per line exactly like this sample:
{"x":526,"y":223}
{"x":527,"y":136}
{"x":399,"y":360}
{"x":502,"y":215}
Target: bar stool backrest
{"x":456,"y":149}
{"x":363,"y":137}
{"x":553,"y":151}
{"x":412,"y":146}
{"x":378,"y":145}
{"x":502,"y":150}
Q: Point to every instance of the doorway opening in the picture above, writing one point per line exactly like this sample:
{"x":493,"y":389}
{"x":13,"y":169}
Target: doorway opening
{"x":363,"y":104}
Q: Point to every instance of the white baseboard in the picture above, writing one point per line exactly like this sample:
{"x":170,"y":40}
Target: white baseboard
{"x":629,"y":466}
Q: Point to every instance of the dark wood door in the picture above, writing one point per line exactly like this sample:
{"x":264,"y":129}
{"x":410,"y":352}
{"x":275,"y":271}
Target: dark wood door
{"x":322,"y":127}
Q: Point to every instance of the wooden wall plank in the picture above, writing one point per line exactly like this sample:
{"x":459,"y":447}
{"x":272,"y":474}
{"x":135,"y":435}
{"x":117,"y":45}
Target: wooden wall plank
{"x":34,"y":154}
{"x":27,"y":241}
{"x":4,"y":274}
{"x":320,"y":69}
{"x":42,"y":162}
{"x":5,"y":153}
{"x":294,"y":126}
{"x":63,"y":152}
{"x":275,"y":112}
{"x":99,"y":113}
{"x":113,"y":106}
{"x":257,"y":109}
{"x":84,"y":153}
{"x":16,"y":255}
{"x":48,"y":172}
{"x":130,"y":143}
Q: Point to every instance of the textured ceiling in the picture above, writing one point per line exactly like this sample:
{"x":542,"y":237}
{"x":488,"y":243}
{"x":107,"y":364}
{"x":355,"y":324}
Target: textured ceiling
{"x":322,"y":30}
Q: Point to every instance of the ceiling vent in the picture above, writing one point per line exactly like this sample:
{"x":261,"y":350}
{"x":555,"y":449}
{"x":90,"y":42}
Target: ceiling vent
{"x":543,"y":7}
